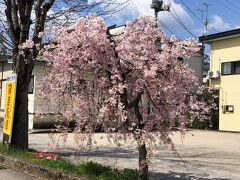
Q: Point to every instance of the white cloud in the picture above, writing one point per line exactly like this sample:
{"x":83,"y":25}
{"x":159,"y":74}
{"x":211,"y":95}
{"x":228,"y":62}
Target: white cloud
{"x":142,"y":7}
{"x":219,"y":24}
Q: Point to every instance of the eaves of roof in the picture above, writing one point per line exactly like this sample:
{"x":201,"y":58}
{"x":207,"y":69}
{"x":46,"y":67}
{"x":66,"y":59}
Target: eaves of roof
{"x":220,"y":36}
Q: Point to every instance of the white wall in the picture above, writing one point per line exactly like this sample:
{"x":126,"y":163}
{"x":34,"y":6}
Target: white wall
{"x":38,"y":72}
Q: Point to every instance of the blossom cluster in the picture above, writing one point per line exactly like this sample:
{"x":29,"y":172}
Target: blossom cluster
{"x":123,"y":83}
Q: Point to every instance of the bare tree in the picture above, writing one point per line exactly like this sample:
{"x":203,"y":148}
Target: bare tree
{"x":23,"y":19}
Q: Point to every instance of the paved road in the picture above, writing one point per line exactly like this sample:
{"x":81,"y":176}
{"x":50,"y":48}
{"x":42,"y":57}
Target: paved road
{"x":205,"y":154}
{"x":10,"y":174}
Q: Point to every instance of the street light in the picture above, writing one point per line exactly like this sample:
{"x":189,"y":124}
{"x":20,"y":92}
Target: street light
{"x":157,"y":6}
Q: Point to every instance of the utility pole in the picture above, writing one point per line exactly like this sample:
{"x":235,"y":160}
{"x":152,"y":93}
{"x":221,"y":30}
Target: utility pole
{"x":158,"y":6}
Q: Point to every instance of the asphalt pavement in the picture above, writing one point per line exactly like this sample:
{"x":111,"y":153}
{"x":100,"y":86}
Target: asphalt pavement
{"x":200,"y":155}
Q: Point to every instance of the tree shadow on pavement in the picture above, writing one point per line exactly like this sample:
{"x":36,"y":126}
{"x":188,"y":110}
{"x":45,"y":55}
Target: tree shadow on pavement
{"x":103,"y":152}
{"x":108,"y":156}
{"x":179,"y":176}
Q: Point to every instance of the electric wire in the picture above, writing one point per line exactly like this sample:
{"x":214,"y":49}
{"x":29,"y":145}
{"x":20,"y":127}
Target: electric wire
{"x":168,"y":29}
{"x":233,"y":5}
{"x":196,"y":16}
{"x":180,"y":21}
{"x":229,"y":8}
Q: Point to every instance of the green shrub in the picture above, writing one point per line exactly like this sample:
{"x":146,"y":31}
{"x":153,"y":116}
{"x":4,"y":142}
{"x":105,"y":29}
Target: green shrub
{"x":90,"y":169}
{"x":197,"y":124}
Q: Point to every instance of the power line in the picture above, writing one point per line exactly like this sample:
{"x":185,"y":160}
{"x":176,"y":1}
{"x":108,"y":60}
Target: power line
{"x":232,"y":4}
{"x":237,"y":0}
{"x":180,"y":21}
{"x":168,"y":29}
{"x":196,"y":16}
{"x":233,"y":10}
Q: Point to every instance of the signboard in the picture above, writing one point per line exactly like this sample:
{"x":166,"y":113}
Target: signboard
{"x":11,"y":84}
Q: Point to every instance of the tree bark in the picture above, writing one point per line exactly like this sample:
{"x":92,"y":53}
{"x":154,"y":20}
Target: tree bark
{"x":19,"y":21}
{"x":20,"y":125}
{"x":143,"y":166}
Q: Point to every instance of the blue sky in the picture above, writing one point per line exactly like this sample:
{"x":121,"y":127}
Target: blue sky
{"x":222,"y":15}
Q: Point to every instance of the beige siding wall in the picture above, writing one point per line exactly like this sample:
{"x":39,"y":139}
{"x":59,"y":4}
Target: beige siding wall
{"x":228,"y":85}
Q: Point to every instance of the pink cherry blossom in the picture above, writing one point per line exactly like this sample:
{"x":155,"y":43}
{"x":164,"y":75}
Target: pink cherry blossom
{"x":123,"y":83}
{"x":29,"y":44}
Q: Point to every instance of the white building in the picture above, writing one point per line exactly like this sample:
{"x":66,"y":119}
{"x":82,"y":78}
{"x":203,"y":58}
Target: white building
{"x":39,"y":71}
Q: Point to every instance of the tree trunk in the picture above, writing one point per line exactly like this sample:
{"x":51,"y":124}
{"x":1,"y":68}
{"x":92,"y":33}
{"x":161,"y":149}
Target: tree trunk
{"x":143,"y":166}
{"x":20,"y":125}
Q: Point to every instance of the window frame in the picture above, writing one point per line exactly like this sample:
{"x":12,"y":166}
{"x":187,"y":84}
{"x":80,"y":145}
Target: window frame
{"x":233,"y":68}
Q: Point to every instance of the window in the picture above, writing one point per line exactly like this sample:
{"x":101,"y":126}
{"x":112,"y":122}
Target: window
{"x":237,"y":67}
{"x":31,"y":86}
{"x":229,"y":68}
{"x":226,"y":68}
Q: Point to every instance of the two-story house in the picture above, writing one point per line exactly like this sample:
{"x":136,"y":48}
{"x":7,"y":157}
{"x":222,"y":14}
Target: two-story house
{"x":224,"y":76}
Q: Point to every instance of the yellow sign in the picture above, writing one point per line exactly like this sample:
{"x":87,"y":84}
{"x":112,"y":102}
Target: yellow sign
{"x":9,"y":105}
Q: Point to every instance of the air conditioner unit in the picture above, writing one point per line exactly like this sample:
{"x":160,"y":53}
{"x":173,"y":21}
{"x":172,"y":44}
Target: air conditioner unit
{"x":213,"y":74}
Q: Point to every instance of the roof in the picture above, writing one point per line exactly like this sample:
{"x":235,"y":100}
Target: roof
{"x":219,"y":36}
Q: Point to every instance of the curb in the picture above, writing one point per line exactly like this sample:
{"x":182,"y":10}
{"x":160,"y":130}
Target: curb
{"x":36,"y":170}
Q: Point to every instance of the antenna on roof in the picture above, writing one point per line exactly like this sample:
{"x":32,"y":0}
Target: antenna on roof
{"x":205,"y":22}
